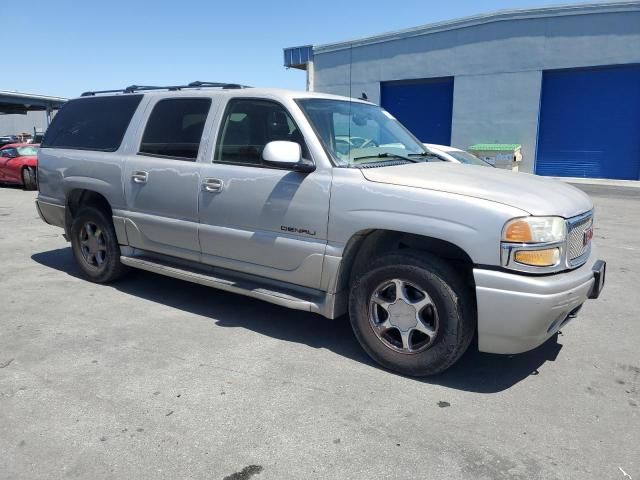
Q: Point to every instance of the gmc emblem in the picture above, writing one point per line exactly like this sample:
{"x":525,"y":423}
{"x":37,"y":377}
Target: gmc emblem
{"x":588,"y":235}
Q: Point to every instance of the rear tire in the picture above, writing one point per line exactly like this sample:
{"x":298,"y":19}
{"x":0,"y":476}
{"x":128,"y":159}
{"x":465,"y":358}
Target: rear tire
{"x":95,"y":246}
{"x":412,"y":313}
{"x":28,"y":178}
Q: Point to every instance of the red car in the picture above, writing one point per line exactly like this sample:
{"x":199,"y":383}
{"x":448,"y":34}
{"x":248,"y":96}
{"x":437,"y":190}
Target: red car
{"x":18,"y":162}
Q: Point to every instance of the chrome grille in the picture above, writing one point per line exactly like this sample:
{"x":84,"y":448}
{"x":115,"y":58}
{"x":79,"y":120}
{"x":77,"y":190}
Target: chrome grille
{"x":577,"y":248}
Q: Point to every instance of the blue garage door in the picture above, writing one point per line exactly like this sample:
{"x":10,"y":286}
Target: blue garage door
{"x":423,"y":106}
{"x":590,"y":123}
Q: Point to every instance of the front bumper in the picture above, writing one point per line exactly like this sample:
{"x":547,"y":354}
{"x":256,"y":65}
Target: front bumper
{"x":516,"y":313}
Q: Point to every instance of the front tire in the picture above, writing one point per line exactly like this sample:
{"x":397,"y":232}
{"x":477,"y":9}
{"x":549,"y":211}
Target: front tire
{"x":412,"y":313}
{"x":95,"y":246}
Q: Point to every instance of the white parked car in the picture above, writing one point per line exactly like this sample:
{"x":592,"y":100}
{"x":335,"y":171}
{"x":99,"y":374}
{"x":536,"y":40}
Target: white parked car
{"x":455,"y":155}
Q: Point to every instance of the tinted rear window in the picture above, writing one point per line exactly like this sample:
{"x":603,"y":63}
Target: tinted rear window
{"x":92,"y":123}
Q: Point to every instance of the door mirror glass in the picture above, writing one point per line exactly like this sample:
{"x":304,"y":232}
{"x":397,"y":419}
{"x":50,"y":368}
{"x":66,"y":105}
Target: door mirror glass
{"x":284,"y":154}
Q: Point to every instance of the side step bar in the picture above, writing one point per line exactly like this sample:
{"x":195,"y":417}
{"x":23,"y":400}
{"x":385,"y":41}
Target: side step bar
{"x":240,"y":283}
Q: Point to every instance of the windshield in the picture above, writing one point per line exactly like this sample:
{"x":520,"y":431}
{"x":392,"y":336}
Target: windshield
{"x":359,"y":133}
{"x":468,"y":158}
{"x":27,"y":151}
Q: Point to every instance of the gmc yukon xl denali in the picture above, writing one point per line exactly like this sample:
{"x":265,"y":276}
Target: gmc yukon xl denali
{"x":318,"y":203}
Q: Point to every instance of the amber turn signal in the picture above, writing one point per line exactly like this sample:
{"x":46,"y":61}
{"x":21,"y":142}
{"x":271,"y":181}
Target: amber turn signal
{"x":538,"y":258}
{"x":518,"y":231}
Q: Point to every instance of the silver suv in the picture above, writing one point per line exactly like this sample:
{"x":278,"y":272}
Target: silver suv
{"x":318,"y":203}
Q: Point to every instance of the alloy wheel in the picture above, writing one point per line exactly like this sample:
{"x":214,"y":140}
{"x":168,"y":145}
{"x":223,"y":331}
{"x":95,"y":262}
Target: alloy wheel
{"x":403,"y":316}
{"x":93,"y":245}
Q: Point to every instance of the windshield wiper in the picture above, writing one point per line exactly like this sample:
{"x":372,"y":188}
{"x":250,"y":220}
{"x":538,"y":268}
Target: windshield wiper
{"x":388,"y":155}
{"x":431,"y":156}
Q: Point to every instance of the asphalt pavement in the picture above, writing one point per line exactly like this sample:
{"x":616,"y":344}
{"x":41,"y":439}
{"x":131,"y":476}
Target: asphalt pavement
{"x":153,"y":377}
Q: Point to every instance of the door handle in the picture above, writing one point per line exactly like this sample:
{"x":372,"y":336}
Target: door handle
{"x":212,"y":185}
{"x":139,"y":177}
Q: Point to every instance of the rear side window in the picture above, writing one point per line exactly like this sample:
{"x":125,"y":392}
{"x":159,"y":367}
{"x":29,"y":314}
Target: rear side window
{"x":175,"y":128}
{"x":97,"y":123}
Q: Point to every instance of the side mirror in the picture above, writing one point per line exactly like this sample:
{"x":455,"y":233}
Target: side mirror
{"x":283,"y":154}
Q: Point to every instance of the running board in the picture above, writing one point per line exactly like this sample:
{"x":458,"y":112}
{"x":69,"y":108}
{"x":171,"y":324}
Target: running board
{"x":242,"y":284}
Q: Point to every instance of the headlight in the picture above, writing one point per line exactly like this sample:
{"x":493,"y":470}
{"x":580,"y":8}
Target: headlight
{"x":535,"y":230}
{"x":533,"y":244}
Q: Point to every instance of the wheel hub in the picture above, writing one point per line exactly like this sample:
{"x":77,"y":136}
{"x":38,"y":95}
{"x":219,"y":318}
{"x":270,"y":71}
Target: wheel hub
{"x":402,"y":315}
{"x":92,"y":244}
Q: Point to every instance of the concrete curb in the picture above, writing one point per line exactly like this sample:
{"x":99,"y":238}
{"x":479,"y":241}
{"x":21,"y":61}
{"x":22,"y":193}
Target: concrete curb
{"x":600,"y":181}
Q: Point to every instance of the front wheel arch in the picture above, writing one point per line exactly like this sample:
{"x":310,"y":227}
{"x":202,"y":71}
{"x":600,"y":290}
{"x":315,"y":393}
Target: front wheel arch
{"x":368,"y":244}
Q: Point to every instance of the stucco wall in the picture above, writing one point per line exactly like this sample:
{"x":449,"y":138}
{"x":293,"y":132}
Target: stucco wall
{"x":497,"y":67}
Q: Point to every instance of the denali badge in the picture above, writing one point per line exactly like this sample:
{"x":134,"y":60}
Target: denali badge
{"x":588,"y":235}
{"x":303,"y":231}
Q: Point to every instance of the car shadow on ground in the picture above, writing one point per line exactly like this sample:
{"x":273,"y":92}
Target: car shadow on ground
{"x":474,"y":372}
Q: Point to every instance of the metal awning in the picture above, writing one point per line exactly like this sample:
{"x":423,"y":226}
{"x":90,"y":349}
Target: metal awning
{"x":298,"y":57}
{"x":21,"y":103}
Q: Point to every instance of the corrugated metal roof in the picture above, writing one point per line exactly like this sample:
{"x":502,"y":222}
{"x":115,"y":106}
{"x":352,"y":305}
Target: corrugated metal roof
{"x":20,"y":102}
{"x":499,"y":16}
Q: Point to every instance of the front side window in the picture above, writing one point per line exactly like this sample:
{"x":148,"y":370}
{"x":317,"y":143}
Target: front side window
{"x":175,"y":127}
{"x":248,"y":125}
{"x":92,"y":123}
{"x":357,"y":133}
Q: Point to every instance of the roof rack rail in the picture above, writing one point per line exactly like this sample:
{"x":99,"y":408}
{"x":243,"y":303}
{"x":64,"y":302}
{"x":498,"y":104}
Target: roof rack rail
{"x":199,"y":84}
{"x":140,"y":88}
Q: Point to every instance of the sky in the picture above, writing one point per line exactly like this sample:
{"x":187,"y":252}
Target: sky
{"x":72,"y":46}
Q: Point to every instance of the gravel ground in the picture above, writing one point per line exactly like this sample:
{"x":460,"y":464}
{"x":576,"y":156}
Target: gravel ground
{"x":157,"y":378}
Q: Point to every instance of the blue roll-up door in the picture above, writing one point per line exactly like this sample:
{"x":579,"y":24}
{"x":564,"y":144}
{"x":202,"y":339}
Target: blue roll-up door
{"x":590,"y":123}
{"x":423,"y":106}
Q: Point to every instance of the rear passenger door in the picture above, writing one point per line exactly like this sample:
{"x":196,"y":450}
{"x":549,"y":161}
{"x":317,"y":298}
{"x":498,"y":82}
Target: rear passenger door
{"x":162,"y":178}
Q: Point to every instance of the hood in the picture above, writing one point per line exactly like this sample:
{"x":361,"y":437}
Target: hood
{"x":533,"y":194}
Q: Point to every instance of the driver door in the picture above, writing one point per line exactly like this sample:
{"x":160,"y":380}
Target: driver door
{"x":256,"y":219}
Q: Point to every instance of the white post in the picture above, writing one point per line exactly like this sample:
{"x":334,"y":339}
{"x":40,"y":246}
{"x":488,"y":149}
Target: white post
{"x":310,"y":76}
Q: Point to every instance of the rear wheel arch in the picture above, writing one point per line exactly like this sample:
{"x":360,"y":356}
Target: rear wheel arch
{"x":78,"y":198}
